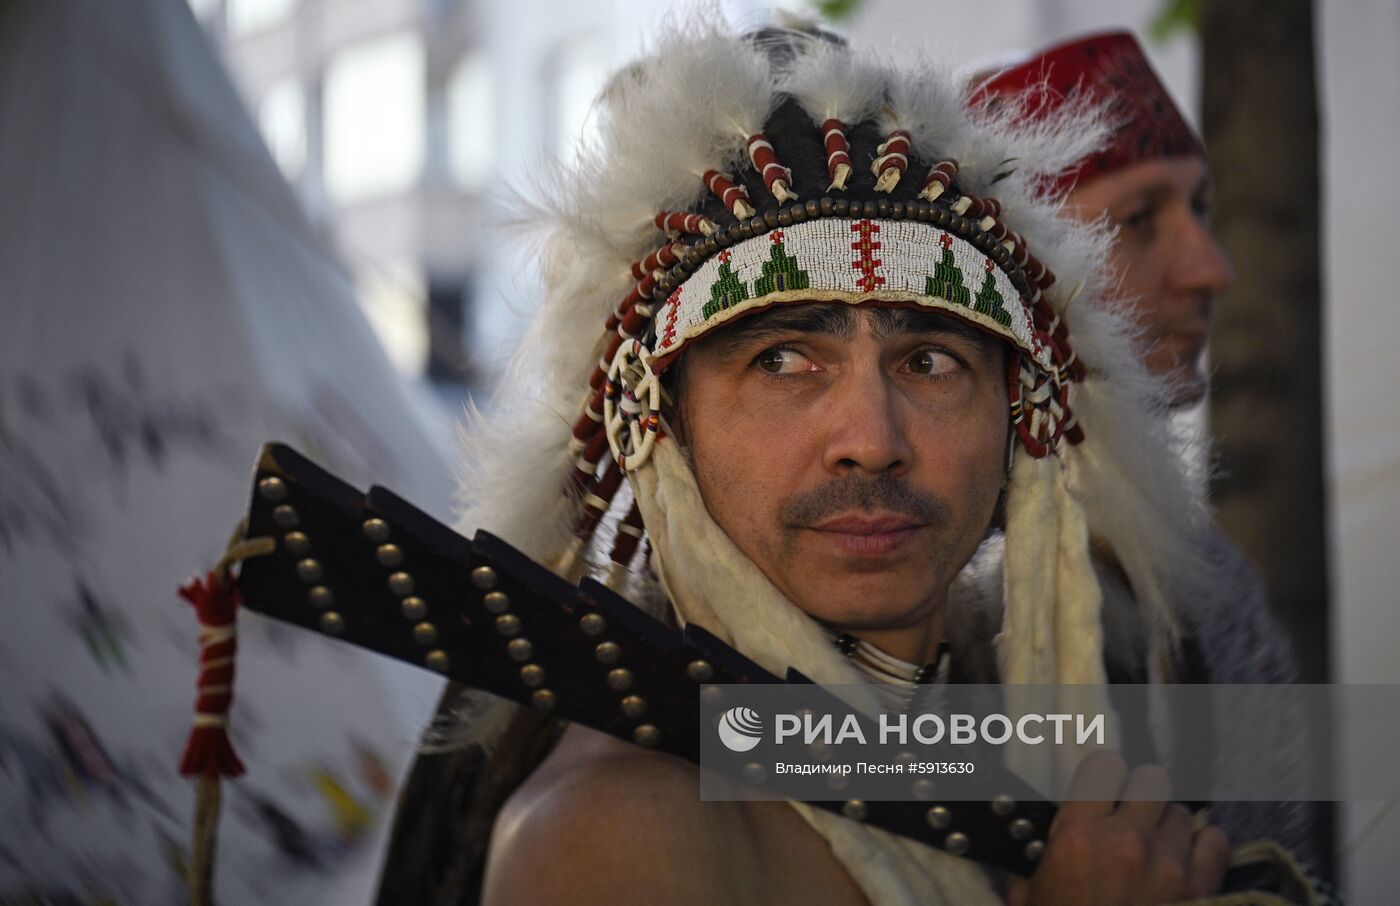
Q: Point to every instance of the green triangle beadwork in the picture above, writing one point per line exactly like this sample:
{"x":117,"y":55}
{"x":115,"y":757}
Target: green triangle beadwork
{"x":727,"y":292}
{"x":990,"y":302}
{"x":780,"y":272}
{"x":947,"y":282}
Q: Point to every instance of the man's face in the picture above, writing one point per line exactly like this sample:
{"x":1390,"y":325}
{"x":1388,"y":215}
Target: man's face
{"x":854,"y":454}
{"x":1166,"y":258}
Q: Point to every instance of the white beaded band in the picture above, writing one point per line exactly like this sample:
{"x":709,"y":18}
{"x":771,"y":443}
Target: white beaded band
{"x":836,"y":259}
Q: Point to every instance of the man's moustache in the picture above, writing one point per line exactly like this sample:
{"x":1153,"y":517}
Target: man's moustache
{"x":884,"y":493}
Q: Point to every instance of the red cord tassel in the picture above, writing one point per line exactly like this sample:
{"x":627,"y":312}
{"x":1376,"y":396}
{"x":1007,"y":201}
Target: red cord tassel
{"x":209,"y":752}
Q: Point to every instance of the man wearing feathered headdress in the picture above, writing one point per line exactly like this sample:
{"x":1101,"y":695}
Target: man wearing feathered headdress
{"x":810,"y":329}
{"x":838,"y":330}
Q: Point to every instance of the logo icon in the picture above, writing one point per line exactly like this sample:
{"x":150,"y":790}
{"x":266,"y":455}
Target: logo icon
{"x":740,"y":729}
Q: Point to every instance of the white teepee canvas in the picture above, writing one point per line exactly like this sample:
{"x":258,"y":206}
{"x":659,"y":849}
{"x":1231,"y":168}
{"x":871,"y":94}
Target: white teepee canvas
{"x":165,"y":307}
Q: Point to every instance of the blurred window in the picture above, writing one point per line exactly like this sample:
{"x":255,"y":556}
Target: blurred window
{"x":282,"y":119}
{"x":471,"y":116}
{"x":575,"y":76}
{"x":394,"y":299}
{"x":248,"y":16}
{"x":375,"y":117}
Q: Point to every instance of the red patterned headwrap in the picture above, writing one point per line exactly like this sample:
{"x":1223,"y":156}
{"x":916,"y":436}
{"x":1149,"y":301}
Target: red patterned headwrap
{"x":1110,"y":68}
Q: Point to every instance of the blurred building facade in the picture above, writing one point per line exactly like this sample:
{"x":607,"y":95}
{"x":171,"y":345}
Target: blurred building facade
{"x":393,"y":119}
{"x":406,"y":124}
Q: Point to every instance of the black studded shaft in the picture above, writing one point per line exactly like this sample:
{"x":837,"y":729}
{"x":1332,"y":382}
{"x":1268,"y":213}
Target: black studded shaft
{"x":385,"y":576}
{"x":376,"y":572}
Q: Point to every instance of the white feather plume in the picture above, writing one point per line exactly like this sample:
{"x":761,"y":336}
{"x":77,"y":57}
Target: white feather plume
{"x":924,"y":100}
{"x":832,"y":83}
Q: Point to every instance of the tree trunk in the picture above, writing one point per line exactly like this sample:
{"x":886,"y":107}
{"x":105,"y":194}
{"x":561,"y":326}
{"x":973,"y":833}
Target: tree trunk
{"x":1259,"y":116}
{"x":1261,"y":131}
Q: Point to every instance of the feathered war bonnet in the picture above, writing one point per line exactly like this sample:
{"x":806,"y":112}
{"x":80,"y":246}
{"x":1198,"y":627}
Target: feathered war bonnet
{"x":733,"y":172}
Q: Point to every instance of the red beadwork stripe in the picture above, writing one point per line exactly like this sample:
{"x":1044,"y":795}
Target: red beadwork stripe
{"x":673,"y":308}
{"x":866,"y":262}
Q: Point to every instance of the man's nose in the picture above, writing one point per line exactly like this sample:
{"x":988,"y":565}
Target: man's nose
{"x":1199,"y":263}
{"x":866,"y":424}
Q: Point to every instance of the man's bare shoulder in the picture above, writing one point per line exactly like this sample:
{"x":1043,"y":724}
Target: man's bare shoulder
{"x":604,"y":822}
{"x":592,"y":780}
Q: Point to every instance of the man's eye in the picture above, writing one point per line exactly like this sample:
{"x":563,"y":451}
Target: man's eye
{"x":779,"y":360}
{"x":1139,"y":217}
{"x":932,"y":361}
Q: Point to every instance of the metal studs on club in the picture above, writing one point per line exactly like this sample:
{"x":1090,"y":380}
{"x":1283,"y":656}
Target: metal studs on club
{"x":272,"y":489}
{"x":484,"y":577}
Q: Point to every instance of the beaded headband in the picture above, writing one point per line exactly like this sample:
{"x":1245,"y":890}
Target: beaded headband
{"x":894,"y":232}
{"x":839,"y":259}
